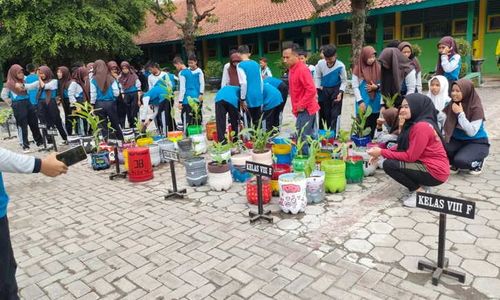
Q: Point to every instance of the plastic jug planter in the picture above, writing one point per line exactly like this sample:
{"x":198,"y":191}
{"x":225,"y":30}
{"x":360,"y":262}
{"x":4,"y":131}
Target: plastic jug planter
{"x":100,"y":160}
{"x":299,"y":164}
{"x":316,"y":187}
{"x":354,"y":169}
{"x":265,"y":158}
{"x":139,"y":163}
{"x":278,"y":169}
{"x":196,"y":171}
{"x":199,"y":143}
{"x":238,"y":169}
{"x":194,"y":129}
{"x":293,"y":192}
{"x":175,"y":136}
{"x":211,"y":129}
{"x":185,"y":148}
{"x":361,"y":141}
{"x":219,"y":177}
{"x":322,"y":156}
{"x":154,"y":153}
{"x":369,"y":169}
{"x":142,"y":142}
{"x":283,"y":153}
{"x":335,"y":180}
{"x":166,"y":145}
{"x":252,"y":192}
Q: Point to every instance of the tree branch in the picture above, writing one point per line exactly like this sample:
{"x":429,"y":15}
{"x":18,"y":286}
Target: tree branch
{"x":168,"y":14}
{"x":319,"y":8}
{"x":200,"y":17}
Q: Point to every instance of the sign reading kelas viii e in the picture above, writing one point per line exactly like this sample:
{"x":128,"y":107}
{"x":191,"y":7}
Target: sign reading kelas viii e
{"x":445,"y":205}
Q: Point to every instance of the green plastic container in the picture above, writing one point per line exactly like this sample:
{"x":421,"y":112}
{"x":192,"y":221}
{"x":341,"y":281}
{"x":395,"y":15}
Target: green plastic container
{"x":335,"y":179}
{"x":194,"y":129}
{"x":354,"y":169}
{"x":300,"y":164}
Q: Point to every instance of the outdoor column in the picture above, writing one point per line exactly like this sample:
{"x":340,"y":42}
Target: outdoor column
{"x":261,"y":44}
{"x":481,"y":28}
{"x":380,"y":33}
{"x":470,"y":30}
{"x":204,"y":46}
{"x":397,"y":25}
{"x":333,"y":32}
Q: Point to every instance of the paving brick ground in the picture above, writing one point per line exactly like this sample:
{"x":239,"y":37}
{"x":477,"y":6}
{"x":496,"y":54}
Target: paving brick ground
{"x":82,"y":236}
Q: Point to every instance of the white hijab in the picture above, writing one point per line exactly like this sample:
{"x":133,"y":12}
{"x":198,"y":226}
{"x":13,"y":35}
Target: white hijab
{"x":442,"y":98}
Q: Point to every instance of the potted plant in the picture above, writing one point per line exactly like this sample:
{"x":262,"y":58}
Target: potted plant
{"x":278,"y":169}
{"x":196,"y":170}
{"x":259,"y":138}
{"x":354,"y":169}
{"x":196,"y":114}
{"x":342,"y":145}
{"x":326,"y":136}
{"x":361,"y":133}
{"x":300,"y":161}
{"x":219,"y":171}
{"x":211,"y":126}
{"x":213,"y":73}
{"x":292,"y":192}
{"x":335,"y":179}
{"x":5,"y":115}
{"x":252,"y":191}
{"x":390,"y":101}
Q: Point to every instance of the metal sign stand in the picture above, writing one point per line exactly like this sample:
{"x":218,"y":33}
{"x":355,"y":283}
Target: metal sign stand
{"x":117,"y":173}
{"x":259,"y":170}
{"x":172,"y":156}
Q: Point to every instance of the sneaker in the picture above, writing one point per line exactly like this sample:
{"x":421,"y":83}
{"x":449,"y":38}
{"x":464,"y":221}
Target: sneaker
{"x":477,"y":167}
{"x":26,"y":150}
{"x":411,"y":200}
{"x":427,"y":189}
{"x":64,"y":143}
{"x":454,"y":170}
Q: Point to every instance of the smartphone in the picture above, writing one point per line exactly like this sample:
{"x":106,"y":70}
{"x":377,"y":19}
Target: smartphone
{"x":72,"y":156}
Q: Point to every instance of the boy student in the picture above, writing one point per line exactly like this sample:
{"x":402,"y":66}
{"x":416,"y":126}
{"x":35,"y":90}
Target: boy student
{"x":272,"y":107}
{"x":331,"y":80}
{"x":264,"y":69}
{"x":303,"y":58}
{"x":32,"y":77}
{"x":251,"y":85}
{"x":156,"y":74}
{"x":191,"y":85}
{"x":157,"y":98}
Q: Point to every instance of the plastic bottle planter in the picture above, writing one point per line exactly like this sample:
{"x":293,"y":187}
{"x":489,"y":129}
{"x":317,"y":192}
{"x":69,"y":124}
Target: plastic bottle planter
{"x":240,"y":174}
{"x":175,"y":136}
{"x":282,"y":152}
{"x":219,"y":178}
{"x":369,"y":169}
{"x":199,"y":143}
{"x":154,"y":152}
{"x":265,"y":158}
{"x":252,"y":192}
{"x":335,"y":181}
{"x":322,"y":156}
{"x":100,"y":160}
{"x":87,"y":142}
{"x":226,"y":155}
{"x":166,"y":145}
{"x":327,"y":139}
{"x":157,"y":138}
{"x":143,"y":142}
{"x":210,"y":129}
{"x":354,"y":169}
{"x":74,"y":141}
{"x":185,"y":148}
{"x":194,"y":129}
{"x":361,"y":141}
{"x":316,"y":187}
{"x":196,"y":171}
{"x":278,"y":169}
{"x":299,"y":164}
{"x":292,"y":193}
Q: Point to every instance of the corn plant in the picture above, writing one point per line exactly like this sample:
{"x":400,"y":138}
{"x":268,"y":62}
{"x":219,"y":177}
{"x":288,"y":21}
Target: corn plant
{"x":87,"y":112}
{"x":359,"y":123}
{"x":259,"y":136}
{"x":195,"y":110}
{"x":389,"y":101}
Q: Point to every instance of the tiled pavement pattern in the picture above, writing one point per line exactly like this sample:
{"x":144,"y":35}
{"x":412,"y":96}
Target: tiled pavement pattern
{"x":82,"y":236}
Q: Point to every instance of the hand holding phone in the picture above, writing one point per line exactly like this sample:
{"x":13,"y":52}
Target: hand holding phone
{"x":72,"y":156}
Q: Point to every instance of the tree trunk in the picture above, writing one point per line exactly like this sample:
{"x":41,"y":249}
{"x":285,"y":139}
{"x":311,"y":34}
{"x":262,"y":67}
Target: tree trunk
{"x":189,"y":29}
{"x":359,"y":8}
{"x":189,"y":42}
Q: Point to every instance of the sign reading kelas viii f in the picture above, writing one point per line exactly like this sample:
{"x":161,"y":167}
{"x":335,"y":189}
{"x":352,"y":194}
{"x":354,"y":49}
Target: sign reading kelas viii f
{"x":445,"y":205}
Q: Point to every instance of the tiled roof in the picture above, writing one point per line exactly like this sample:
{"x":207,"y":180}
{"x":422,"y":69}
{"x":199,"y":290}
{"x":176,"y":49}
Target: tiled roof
{"x":243,"y":14}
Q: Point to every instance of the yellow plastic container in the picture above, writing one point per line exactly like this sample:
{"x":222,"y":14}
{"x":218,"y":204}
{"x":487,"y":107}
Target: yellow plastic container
{"x":143,"y":142}
{"x":125,"y":158}
{"x":281,"y":149}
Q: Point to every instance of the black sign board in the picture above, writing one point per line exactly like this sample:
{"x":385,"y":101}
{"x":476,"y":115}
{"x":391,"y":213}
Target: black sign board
{"x":446,"y":205}
{"x":259,"y":169}
{"x":170,"y":155}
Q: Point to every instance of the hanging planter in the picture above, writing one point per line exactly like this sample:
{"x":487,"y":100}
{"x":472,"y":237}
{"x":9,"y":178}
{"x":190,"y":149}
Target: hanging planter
{"x":292,"y":193}
{"x":185,"y":148}
{"x":354,"y":169}
{"x":316,"y":187}
{"x":196,"y":171}
{"x":199,"y":143}
{"x":154,"y":153}
{"x":278,"y":169}
{"x":335,"y":179}
{"x":219,"y":178}
{"x":194,"y":129}
{"x":211,"y":130}
{"x":252,"y":191}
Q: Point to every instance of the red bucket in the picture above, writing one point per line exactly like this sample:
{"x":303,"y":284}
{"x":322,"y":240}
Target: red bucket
{"x":139,"y":164}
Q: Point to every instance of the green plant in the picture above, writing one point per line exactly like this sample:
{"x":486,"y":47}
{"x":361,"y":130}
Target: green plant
{"x":344,"y":136}
{"x":213,"y":69}
{"x":314,"y":148}
{"x":465,"y":50}
{"x":416,"y":50}
{"x":74,"y":122}
{"x":359,"y":123}
{"x":217,"y":149}
{"x":259,"y":136}
{"x":343,"y":148}
{"x":327,"y":134}
{"x":300,"y":142}
{"x":389,"y":101}
{"x":87,"y":112}
{"x":195,"y":110}
{"x":280,"y":64}
{"x":313,"y":58}
{"x":5,"y":114}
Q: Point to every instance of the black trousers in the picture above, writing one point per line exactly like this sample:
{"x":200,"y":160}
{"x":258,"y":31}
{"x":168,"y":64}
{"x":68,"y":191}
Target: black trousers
{"x":121,"y":110}
{"x":467,"y":154}
{"x":69,"y":119}
{"x":272,"y":118}
{"x":25,"y":115}
{"x":164,"y":120}
{"x":48,"y":114}
{"x":222,"y":108}
{"x":371,"y":122}
{"x":254,"y":114}
{"x":8,"y":266}
{"x":187,"y":115}
{"x":107,"y":111}
{"x":329,"y":109}
{"x":283,"y":88}
{"x":411,"y":175}
{"x":131,"y":103}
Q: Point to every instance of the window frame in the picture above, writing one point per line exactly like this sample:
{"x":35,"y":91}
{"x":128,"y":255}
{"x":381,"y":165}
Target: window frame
{"x":488,"y":29}
{"x":273,"y":42}
{"x":344,"y":33}
{"x":421,"y":36}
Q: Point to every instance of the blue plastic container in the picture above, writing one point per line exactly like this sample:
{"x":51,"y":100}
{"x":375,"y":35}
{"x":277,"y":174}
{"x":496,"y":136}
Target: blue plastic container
{"x":240,"y":174}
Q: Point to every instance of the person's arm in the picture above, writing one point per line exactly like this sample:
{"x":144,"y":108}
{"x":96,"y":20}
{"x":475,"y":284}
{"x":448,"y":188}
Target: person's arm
{"x":418,"y":139}
{"x":310,"y":93}
{"x":317,"y":76}
{"x":411,"y":82}
{"x":225,"y":76}
{"x":150,"y":82}
{"x":268,"y":72}
{"x":51,"y":85}
{"x":11,"y":162}
{"x":242,"y":77}
{"x":138,"y":84}
{"x":419,"y":82}
{"x":32,"y":86}
{"x":343,"y":79}
{"x":115,"y":88}
{"x":202,"y":82}
{"x":470,"y":128}
{"x":93,"y":93}
{"x":355,"y":88}
{"x":5,"y":94}
{"x":182,"y":88}
{"x":449,"y":66}
{"x":72,"y":92}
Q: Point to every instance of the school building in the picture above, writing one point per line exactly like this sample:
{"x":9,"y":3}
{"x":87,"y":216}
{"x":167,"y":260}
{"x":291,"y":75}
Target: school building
{"x":266,"y":26}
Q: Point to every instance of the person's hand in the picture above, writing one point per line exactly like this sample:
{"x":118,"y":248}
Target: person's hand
{"x":374,"y":152}
{"x":457,"y":108}
{"x":114,"y":74}
{"x":371,"y":87}
{"x":243,"y":105}
{"x":373,"y":160}
{"x":380,"y":122}
{"x":382,"y":109}
{"x":446,"y":51}
{"x":52,"y":167}
{"x":200,"y":98}
{"x":19,"y":86}
{"x":180,"y":106}
{"x":339,"y":97}
{"x":362,"y":107}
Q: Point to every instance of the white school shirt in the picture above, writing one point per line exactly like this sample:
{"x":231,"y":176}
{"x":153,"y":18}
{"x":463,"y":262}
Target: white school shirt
{"x":322,"y":69}
{"x":93,"y":91}
{"x":74,"y":90}
{"x":153,"y":79}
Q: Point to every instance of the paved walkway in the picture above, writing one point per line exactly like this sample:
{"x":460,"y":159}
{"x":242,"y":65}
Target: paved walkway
{"x":82,"y":236}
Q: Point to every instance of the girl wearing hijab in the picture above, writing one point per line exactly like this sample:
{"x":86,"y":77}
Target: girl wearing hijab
{"x":48,"y":112}
{"x":64,"y":80}
{"x":407,"y":50}
{"x":103,"y":92}
{"x":130,"y":86}
{"x":396,"y":71}
{"x":15,"y":92}
{"x":438,"y":92}
{"x":365,"y":83}
{"x":466,"y":139}
{"x":419,"y":159}
{"x":388,"y":127}
{"x":78,"y":91}
{"x":115,"y":71}
{"x":449,"y":61}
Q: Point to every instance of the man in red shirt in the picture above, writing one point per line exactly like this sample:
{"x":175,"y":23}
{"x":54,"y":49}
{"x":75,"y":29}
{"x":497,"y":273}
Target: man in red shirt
{"x":302,"y":93}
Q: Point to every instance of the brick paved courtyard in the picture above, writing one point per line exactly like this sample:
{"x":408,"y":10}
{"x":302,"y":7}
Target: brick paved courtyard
{"x":82,"y":236}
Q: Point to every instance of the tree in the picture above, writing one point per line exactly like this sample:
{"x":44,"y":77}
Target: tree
{"x":190,"y":28}
{"x":63,"y":32}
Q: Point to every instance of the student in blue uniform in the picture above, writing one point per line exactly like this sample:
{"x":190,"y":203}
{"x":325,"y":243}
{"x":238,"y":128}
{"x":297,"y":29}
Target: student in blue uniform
{"x":251,"y":83}
{"x":16,"y":93}
{"x":331,"y":80}
{"x":130,"y":87}
{"x":48,"y":112}
{"x":264,"y":69}
{"x":281,"y":86}
{"x":103,"y":93}
{"x":226,"y":104}
{"x":449,"y":61}
{"x":121,"y":108}
{"x":191,"y":85}
{"x":157,"y":98}
{"x":63,"y":82}
{"x":157,"y":76}
{"x":32,"y":77}
{"x":272,"y":107}
{"x":78,"y":92}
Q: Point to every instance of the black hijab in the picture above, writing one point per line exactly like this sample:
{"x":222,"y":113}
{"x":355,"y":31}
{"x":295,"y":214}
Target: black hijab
{"x":422,"y":110}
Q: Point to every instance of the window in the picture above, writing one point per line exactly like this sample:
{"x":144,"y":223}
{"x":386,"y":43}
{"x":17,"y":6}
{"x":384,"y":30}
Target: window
{"x":388,"y":33}
{"x":494,"y":23}
{"x":324,"y":40}
{"x":460,"y":27}
{"x":412,"y":32}
{"x":273,"y":46}
{"x":344,"y":39}
{"x":437,"y":29}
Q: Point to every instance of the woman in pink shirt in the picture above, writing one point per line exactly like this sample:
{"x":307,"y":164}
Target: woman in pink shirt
{"x":419,"y":160}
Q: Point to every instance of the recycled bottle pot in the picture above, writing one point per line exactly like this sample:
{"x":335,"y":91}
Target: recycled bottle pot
{"x":293,"y":197}
{"x":335,"y":179}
